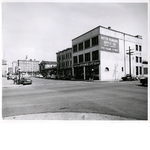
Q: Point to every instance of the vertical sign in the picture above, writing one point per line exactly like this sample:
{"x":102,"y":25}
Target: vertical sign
{"x":108,"y":43}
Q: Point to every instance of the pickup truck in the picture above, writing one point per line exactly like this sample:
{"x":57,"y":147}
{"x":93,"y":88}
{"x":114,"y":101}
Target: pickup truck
{"x":144,"y":80}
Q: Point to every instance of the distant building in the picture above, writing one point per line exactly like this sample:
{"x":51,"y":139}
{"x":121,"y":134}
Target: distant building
{"x":4,"y":68}
{"x":47,"y":68}
{"x":28,"y":66}
{"x":14,"y":65}
{"x":64,"y":62}
{"x":106,"y":51}
{"x":10,"y":70}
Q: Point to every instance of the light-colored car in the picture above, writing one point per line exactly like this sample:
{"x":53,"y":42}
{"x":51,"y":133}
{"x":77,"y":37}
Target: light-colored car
{"x":40,"y":76}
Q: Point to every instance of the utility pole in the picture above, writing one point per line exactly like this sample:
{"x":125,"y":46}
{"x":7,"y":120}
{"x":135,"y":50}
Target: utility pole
{"x":129,"y":53}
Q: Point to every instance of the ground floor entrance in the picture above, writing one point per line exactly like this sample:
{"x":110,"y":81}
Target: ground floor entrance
{"x":86,"y":71}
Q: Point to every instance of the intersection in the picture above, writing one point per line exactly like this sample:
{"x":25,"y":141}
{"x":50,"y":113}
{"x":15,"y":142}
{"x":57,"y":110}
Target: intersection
{"x":123,"y":99}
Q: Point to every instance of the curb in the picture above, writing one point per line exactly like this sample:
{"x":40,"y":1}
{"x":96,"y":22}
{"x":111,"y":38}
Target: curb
{"x":66,"y":116}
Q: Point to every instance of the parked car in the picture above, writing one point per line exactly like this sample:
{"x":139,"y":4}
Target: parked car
{"x":129,"y":78}
{"x":40,"y":76}
{"x":25,"y":80}
{"x":9,"y":76}
{"x":144,"y":80}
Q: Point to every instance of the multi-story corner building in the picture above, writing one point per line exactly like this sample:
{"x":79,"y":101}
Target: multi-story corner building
{"x":47,"y":68}
{"x":4,"y":68}
{"x":29,"y":66}
{"x":106,"y":51}
{"x":64,"y":63}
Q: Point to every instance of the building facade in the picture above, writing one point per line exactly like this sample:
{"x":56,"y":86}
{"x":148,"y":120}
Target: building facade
{"x":4,"y":68}
{"x":28,"y":66}
{"x":48,"y":68}
{"x":10,"y":70}
{"x":64,"y":63}
{"x":107,"y":52}
{"x":14,"y":66}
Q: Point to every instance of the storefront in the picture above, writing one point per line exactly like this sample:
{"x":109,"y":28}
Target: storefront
{"x":84,"y":70}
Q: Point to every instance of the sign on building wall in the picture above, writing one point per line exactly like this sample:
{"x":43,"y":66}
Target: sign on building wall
{"x":108,"y":43}
{"x":50,"y":65}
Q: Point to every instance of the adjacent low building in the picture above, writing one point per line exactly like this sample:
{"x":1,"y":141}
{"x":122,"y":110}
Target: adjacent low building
{"x":111,"y":54}
{"x":48,"y":68}
{"x":64,"y":63}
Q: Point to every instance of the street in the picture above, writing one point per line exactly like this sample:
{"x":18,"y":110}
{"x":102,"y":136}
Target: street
{"x":123,"y":99}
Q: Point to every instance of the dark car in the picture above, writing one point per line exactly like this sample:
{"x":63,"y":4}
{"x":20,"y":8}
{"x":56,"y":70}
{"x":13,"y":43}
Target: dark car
{"x":9,"y":76}
{"x":144,"y":80}
{"x":129,"y":78}
{"x":25,"y":80}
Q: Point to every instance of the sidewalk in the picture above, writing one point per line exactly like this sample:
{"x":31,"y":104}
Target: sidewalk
{"x":9,"y":83}
{"x":66,"y":116}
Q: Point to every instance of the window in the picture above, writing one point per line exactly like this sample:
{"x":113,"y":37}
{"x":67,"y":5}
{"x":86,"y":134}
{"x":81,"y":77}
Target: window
{"x":140,"y":59}
{"x":145,"y":70}
{"x":106,"y":69}
{"x":95,"y":55}
{"x":87,"y":57}
{"x":136,"y":47}
{"x":80,"y":58}
{"x":80,"y":46}
{"x":87,"y":44}
{"x":122,"y":69}
{"x":75,"y":48}
{"x":140,"y":48}
{"x":95,"y":41}
{"x":140,"y":70}
{"x":137,"y":70}
{"x":136,"y":59}
{"x":75,"y":59}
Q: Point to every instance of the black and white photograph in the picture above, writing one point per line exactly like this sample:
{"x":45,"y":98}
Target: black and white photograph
{"x":74,"y":61}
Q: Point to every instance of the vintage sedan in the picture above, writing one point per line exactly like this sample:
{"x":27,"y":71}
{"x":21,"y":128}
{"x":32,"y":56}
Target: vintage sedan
{"x":25,"y":80}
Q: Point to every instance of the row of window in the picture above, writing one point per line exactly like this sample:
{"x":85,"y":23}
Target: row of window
{"x":86,"y":44}
{"x":86,"y":57}
{"x":66,"y":64}
{"x":138,"y":47}
{"x":64,"y":56}
{"x":138,"y":59}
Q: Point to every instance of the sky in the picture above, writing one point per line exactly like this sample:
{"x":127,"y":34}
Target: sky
{"x":40,"y":30}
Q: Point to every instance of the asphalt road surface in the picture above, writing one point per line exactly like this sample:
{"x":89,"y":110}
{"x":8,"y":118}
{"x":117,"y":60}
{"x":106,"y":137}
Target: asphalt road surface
{"x":125,"y":99}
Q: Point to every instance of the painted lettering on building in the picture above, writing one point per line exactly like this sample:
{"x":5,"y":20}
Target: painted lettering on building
{"x":108,"y":43}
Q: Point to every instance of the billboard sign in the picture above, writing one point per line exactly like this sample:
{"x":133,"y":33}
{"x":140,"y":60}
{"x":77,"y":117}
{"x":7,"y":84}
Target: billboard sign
{"x":108,"y":43}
